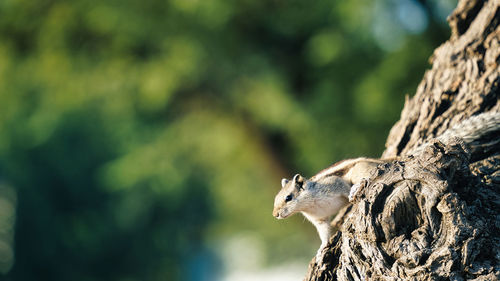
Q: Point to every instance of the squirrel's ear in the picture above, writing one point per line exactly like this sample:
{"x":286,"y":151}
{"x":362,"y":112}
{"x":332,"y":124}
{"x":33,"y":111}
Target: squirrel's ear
{"x":284,"y":182}
{"x":299,"y":180}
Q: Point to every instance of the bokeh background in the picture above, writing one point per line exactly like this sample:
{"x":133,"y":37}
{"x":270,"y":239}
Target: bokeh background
{"x":145,"y":140}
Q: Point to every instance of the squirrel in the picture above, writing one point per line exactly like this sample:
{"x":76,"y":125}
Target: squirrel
{"x":324,"y":194}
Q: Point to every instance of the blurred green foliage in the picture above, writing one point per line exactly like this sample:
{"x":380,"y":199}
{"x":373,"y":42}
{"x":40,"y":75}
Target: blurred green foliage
{"x":137,"y":134}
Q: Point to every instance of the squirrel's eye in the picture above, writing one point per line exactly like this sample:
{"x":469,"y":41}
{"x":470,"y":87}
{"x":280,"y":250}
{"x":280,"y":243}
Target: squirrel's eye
{"x":288,"y":198}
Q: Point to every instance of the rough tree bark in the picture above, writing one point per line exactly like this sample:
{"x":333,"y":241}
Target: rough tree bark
{"x":433,"y":215}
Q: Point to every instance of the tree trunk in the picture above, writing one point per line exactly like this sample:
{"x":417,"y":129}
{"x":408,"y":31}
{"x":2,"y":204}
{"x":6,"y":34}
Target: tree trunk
{"x":435,"y":214}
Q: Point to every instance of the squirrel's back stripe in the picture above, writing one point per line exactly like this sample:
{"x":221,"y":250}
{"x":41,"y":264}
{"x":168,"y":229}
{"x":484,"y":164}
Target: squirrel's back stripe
{"x":341,"y":168}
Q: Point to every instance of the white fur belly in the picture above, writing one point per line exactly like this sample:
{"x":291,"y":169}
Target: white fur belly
{"x":327,"y":208}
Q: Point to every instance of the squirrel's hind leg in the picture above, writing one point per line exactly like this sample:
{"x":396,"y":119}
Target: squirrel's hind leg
{"x":356,"y":188}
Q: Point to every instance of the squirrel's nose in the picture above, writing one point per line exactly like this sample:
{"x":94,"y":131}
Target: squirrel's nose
{"x":276,"y":214}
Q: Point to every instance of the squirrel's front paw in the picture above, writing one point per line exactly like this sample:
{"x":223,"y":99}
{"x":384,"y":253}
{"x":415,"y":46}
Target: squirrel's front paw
{"x":320,"y":254}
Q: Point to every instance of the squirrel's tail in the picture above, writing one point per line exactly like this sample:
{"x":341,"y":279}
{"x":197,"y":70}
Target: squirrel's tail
{"x":473,"y":128}
{"x":469,"y":130}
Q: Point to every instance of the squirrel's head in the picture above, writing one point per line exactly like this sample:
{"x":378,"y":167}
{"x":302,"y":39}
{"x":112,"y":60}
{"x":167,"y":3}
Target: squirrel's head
{"x":285,"y":202}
